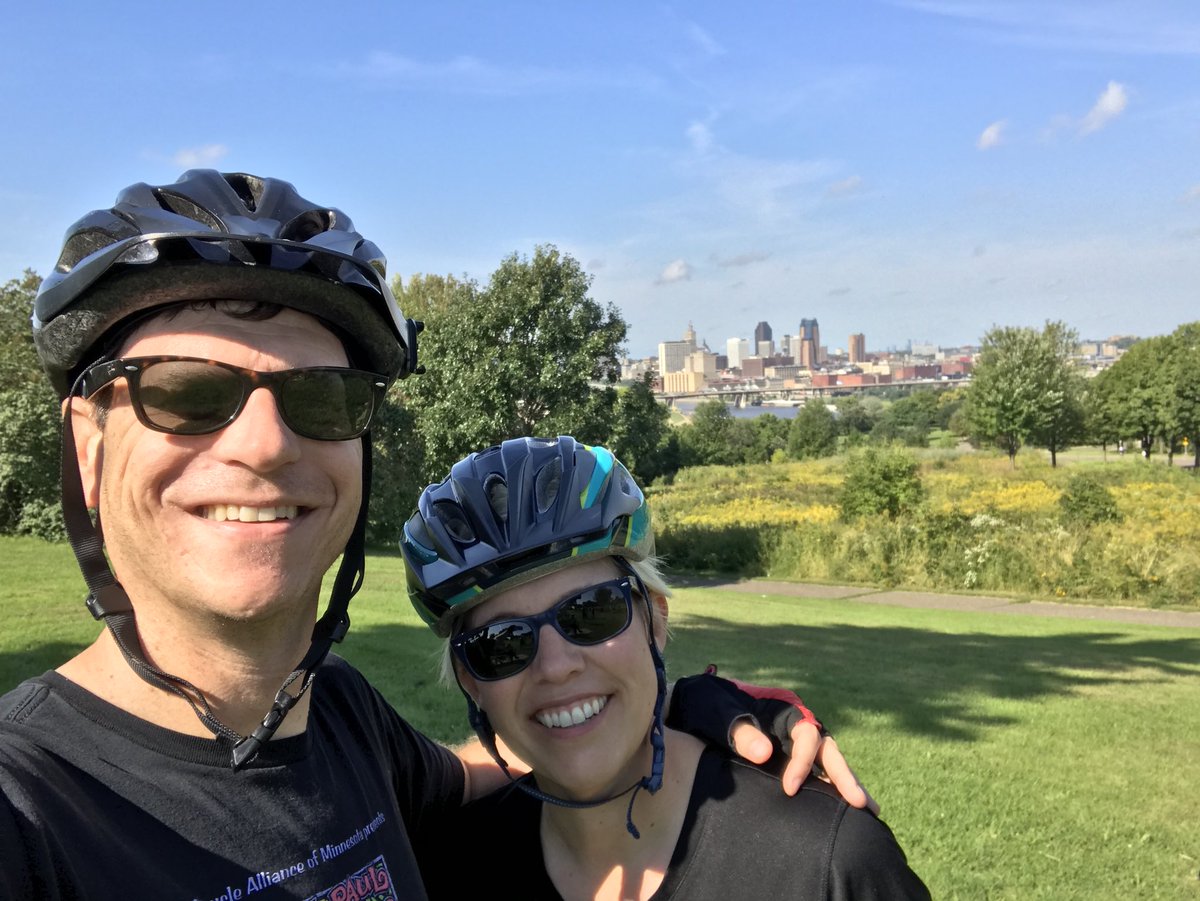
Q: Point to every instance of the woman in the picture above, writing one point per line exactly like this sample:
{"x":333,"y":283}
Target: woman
{"x":535,"y":559}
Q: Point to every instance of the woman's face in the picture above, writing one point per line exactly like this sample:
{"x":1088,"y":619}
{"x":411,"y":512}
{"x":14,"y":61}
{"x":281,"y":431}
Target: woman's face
{"x":579,"y":716}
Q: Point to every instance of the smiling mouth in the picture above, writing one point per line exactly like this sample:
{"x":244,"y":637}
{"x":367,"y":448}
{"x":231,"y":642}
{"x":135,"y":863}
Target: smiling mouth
{"x":238,"y":513}
{"x":566,"y":717}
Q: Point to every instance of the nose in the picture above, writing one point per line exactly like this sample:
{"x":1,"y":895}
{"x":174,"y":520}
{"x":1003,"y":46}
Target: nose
{"x":557,"y":659}
{"x":258,"y":437}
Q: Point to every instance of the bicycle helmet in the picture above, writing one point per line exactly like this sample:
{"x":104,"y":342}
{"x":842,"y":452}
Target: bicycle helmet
{"x":214,"y":235}
{"x":515,"y":512}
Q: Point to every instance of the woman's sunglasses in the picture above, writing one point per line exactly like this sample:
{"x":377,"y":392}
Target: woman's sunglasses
{"x":504,"y":648}
{"x":189,"y":396}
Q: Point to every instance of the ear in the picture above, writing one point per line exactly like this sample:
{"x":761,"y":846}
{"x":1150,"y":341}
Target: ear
{"x":89,"y":450}
{"x":467,"y":682}
{"x":660,"y":619}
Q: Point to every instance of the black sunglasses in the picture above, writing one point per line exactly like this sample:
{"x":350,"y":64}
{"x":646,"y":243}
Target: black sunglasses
{"x":190,"y":396}
{"x":504,"y":648}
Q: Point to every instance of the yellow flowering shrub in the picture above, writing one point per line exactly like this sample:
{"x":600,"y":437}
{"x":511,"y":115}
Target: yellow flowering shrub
{"x":1022,"y":498}
{"x":1163,"y":509}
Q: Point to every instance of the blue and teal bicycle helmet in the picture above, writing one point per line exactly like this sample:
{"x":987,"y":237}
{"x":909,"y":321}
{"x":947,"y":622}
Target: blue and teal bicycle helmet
{"x":514,"y":512}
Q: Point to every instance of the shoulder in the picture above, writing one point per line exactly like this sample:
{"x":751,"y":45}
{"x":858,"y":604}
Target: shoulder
{"x":814,"y":839}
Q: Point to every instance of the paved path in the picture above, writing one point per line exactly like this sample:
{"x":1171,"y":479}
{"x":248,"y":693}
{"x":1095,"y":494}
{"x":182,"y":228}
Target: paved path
{"x":969,"y":602}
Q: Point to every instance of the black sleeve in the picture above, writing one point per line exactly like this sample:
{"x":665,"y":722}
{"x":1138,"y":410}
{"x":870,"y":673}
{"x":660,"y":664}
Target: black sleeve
{"x":867,"y":862}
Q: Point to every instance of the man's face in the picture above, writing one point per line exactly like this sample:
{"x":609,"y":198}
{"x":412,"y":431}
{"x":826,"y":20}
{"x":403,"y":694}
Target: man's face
{"x":240,"y":524}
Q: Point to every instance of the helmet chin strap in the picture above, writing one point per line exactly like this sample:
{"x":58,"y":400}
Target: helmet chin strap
{"x":651,"y":782}
{"x":108,"y":601}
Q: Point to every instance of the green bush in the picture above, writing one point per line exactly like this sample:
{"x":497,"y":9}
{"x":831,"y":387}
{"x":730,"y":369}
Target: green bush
{"x":1086,"y":501}
{"x":881,"y":480}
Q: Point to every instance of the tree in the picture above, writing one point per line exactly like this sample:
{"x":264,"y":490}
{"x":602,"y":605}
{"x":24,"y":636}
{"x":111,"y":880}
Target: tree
{"x":881,"y":481}
{"x":1062,"y":422}
{"x":908,"y":420}
{"x":640,"y":432}
{"x":813,"y":432}
{"x":29,"y":422}
{"x":707,"y":439}
{"x":397,"y":474}
{"x":19,"y":365}
{"x":530,"y":353}
{"x":1137,"y":391}
{"x":1025,"y":389}
{"x":769,"y":435}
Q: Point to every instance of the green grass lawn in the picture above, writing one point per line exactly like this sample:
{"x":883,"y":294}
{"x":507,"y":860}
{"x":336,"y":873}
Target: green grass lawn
{"x":1015,"y":757}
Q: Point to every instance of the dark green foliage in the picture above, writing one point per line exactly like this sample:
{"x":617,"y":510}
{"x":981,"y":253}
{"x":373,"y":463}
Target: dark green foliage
{"x":641,"y":437}
{"x":813,"y":432}
{"x":1086,"y":501}
{"x":1026,"y":390}
{"x":19,"y":366}
{"x":397,"y":477}
{"x":29,"y":422}
{"x":29,"y":462}
{"x":881,"y":481}
{"x":524,"y":355}
{"x":908,"y":420}
{"x":707,"y":440}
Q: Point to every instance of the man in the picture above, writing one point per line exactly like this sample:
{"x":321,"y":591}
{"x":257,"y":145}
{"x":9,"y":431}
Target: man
{"x":205,"y":746}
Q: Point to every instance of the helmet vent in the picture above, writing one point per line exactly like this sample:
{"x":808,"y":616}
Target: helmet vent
{"x":82,"y":245}
{"x":189,"y":209}
{"x":496,"y":490}
{"x":248,"y":188}
{"x":546,"y":485}
{"x":306,"y":225}
{"x":455,"y":522}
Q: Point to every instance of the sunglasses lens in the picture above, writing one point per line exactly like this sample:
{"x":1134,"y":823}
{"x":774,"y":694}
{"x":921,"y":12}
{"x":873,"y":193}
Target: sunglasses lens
{"x":499,"y":650}
{"x":595,"y":615}
{"x":189,"y":398}
{"x":328,"y":403}
{"x":504,"y":648}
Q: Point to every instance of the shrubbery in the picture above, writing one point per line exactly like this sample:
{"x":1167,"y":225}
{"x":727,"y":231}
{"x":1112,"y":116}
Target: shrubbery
{"x":881,"y":480}
{"x":981,"y":527}
{"x":1086,"y":501}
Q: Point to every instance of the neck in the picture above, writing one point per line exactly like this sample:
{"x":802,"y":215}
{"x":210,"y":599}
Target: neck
{"x":589,"y":853}
{"x":239,"y":668}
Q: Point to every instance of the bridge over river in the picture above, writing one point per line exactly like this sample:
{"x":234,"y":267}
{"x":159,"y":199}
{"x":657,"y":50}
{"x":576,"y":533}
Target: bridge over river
{"x":750,"y":396}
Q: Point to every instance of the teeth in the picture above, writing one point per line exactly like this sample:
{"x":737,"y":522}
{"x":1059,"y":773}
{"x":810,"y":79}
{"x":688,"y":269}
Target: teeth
{"x":572,"y":716}
{"x":236,"y":513}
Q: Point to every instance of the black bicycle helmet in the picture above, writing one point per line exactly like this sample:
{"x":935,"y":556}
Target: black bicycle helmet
{"x":515,"y":512}
{"x":214,"y":235}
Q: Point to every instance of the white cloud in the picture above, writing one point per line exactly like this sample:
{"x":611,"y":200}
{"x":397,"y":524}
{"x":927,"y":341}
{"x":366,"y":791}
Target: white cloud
{"x":465,"y":74}
{"x":991,"y":135}
{"x":192,"y":157}
{"x":742,"y":259}
{"x":700,"y":136}
{"x":675,"y":271}
{"x":851,"y":185}
{"x":704,"y":40}
{"x":1110,"y":104}
{"x":1155,"y":27}
{"x":1192,"y":193}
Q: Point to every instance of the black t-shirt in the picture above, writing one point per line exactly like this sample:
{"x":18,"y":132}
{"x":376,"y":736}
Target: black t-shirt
{"x":96,"y":803}
{"x":742,"y":837}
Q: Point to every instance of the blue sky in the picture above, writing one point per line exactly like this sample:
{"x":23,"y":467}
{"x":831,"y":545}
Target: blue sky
{"x":911,"y":169}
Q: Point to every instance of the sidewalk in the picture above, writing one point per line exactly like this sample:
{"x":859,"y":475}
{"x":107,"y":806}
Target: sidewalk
{"x":931,"y":600}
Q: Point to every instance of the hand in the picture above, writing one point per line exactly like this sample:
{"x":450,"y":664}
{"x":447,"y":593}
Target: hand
{"x":811,"y":752}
